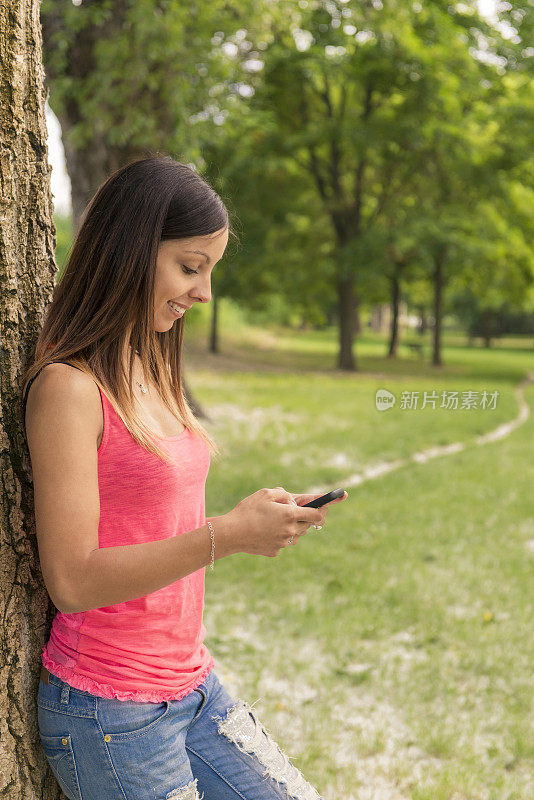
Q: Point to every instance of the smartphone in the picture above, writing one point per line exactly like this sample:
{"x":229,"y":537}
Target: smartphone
{"x":324,"y":499}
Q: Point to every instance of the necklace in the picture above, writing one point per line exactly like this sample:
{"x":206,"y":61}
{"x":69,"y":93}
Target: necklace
{"x":141,"y":385}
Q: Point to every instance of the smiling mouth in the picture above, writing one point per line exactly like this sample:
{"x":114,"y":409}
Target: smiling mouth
{"x":177,"y":310}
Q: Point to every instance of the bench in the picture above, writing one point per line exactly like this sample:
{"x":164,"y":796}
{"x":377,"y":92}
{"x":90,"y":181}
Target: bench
{"x":416,"y":347}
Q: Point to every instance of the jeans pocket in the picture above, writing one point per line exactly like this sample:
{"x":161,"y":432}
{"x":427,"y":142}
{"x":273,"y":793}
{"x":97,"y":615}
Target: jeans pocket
{"x":203,"y":695}
{"x":60,"y":755}
{"x":127,"y":719}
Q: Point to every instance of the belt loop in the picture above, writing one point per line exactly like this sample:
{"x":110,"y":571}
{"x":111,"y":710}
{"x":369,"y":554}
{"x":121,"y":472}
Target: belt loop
{"x":65,"y":693}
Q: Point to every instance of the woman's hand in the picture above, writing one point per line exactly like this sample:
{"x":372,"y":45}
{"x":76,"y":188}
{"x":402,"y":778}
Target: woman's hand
{"x":265,"y":521}
{"x":302,"y":499}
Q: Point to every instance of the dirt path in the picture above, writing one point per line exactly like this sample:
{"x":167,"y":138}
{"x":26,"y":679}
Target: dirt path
{"x":384,"y":467}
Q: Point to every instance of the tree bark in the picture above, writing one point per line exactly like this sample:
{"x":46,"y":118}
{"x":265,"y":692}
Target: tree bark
{"x":27,"y":271}
{"x":347,"y":322}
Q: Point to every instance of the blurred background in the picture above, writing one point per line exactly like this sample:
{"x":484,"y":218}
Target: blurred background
{"x":372,"y":329}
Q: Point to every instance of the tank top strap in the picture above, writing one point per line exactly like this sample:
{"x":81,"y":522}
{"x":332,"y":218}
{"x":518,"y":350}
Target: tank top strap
{"x":25,"y":399}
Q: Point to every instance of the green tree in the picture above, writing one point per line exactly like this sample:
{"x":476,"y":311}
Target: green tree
{"x":348,"y":92}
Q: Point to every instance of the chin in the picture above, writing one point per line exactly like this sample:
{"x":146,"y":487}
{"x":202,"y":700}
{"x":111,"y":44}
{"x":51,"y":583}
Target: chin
{"x":161,"y":327}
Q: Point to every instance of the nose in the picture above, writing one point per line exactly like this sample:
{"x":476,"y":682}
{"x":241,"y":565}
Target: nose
{"x":202,"y":290}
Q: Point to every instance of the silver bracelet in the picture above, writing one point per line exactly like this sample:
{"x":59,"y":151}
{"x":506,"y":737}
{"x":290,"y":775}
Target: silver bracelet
{"x":212,"y":537}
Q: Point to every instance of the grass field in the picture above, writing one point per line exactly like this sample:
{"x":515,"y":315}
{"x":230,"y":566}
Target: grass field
{"x":390,"y":654}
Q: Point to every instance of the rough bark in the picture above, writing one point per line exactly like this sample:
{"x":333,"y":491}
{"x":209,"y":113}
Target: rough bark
{"x":27,"y":269}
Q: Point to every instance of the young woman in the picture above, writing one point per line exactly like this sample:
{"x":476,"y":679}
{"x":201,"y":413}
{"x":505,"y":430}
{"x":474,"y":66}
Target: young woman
{"x":129,"y":704}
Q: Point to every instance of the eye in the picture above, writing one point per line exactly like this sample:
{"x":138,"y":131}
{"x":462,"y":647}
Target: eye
{"x":189,"y":271}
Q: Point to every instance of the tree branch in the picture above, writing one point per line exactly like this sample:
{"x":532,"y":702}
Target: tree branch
{"x":314,"y":163}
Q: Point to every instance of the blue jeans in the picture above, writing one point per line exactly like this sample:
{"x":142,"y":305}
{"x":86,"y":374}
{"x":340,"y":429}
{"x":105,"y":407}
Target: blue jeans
{"x":207,"y":742}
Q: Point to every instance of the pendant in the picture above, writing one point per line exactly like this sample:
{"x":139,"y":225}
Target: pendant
{"x":143,"y":388}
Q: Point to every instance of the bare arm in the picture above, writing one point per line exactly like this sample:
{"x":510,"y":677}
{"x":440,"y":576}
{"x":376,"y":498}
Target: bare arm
{"x":117,"y":574}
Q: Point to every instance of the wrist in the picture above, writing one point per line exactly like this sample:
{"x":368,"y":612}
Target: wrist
{"x":225,"y":536}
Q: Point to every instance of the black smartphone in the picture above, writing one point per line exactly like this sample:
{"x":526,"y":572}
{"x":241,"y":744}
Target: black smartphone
{"x":325,"y":498}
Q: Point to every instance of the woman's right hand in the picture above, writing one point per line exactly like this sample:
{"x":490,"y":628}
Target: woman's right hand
{"x":265,"y":521}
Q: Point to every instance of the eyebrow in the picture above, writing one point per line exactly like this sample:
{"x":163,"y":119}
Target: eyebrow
{"x":206,"y":256}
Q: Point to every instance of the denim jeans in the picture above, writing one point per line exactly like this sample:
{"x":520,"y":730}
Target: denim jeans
{"x":207,"y":743}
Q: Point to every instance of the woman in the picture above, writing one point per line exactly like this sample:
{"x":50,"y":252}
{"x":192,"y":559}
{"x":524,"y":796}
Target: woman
{"x":129,"y":704}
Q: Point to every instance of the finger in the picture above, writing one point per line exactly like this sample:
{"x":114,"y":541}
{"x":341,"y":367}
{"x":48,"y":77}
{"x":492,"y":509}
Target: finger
{"x":338,"y":500}
{"x":280,"y":495}
{"x":302,"y":499}
{"x":315,"y":519}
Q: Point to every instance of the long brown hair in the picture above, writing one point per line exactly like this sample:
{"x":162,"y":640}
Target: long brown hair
{"x":105,"y":298}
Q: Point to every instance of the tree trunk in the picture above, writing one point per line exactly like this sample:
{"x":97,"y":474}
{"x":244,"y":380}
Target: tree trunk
{"x":423,"y":327}
{"x":488,"y":326}
{"x":214,"y":344}
{"x":439,"y":282}
{"x":197,"y":410}
{"x":27,"y":270}
{"x":88,"y":165}
{"x":395,"y":300}
{"x":346,"y":309}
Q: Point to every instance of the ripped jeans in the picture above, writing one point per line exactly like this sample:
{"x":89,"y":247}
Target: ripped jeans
{"x":206,"y":745}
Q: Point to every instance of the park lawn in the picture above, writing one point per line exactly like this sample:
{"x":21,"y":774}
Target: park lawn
{"x":281,"y":348}
{"x":391,"y":653}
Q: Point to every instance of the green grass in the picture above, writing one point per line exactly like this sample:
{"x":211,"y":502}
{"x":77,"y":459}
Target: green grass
{"x":391,"y":653}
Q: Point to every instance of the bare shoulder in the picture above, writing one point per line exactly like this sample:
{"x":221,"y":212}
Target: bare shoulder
{"x":63,"y":400}
{"x":63,"y":415}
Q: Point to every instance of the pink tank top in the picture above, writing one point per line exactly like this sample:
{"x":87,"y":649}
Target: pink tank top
{"x":149,"y":649}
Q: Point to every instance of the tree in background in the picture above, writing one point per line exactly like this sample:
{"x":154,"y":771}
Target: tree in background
{"x":125,"y":79}
{"x":348,"y":96}
{"x":311,"y":120}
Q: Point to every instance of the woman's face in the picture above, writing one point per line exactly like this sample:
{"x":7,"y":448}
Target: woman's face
{"x":183,"y":276}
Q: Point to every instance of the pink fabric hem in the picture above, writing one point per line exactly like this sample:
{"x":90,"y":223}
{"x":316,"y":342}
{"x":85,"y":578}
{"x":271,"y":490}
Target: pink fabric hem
{"x":105,"y":690}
